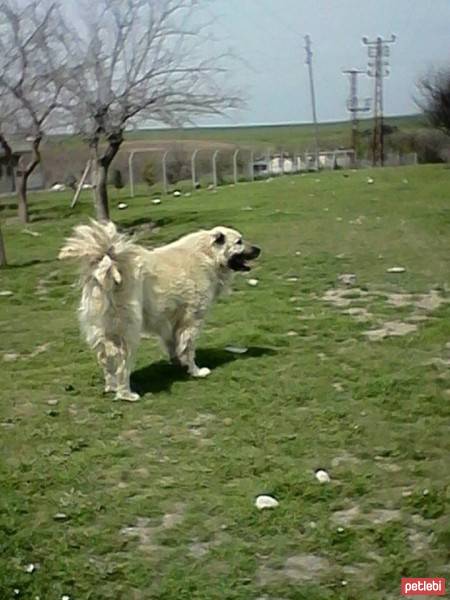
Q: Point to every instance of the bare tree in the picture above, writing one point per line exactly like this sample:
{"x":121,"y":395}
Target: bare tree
{"x":435,"y":98}
{"x":33,"y":54}
{"x":142,"y":61}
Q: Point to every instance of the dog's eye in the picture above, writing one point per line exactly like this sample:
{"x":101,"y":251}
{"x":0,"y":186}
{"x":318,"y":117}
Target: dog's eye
{"x":239,"y":242}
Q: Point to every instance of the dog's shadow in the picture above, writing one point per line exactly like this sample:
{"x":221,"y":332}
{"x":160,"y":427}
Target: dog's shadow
{"x":159,"y":376}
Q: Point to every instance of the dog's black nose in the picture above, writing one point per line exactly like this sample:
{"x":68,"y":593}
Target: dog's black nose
{"x":256,"y":251}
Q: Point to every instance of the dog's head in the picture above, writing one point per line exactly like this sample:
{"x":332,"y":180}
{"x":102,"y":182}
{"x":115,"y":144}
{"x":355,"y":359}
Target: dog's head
{"x":230,"y":250}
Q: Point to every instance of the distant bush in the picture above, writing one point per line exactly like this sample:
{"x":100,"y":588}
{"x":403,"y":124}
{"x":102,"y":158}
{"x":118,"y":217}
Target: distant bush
{"x":148,"y":174}
{"x":116,"y":179}
{"x":430,"y":145}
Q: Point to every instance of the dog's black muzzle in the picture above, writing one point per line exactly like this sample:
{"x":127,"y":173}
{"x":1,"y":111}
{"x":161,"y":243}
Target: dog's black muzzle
{"x":238,"y":262}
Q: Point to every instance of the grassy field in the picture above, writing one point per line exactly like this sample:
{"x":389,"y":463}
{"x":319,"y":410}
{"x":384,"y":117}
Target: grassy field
{"x":332,"y":135}
{"x":155,"y":500}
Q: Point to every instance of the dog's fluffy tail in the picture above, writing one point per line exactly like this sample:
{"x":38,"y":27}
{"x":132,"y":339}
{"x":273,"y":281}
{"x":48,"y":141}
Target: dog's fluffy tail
{"x":103,"y":253}
{"x":110,"y":285}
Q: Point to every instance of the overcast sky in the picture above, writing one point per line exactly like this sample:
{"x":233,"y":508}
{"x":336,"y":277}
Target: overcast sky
{"x":268,"y":35}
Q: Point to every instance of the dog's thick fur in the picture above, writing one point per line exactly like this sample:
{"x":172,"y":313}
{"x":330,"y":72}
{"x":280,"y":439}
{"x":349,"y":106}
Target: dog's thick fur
{"x":128,"y":290}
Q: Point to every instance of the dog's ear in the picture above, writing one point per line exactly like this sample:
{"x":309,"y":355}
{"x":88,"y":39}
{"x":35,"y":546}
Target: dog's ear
{"x":219,"y":238}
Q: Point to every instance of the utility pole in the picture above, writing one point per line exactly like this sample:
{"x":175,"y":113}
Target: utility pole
{"x":378,"y":52}
{"x":353,"y":105}
{"x":308,"y":61}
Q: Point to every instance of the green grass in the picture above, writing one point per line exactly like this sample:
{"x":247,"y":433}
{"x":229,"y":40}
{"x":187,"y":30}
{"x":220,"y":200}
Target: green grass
{"x":292,"y":135}
{"x":182,"y":467}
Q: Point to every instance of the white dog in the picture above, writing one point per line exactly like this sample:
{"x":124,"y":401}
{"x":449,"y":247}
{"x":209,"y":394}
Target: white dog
{"x":128,"y":290}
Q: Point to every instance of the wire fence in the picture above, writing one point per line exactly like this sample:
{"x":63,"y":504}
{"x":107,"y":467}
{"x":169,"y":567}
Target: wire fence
{"x":218,"y":166}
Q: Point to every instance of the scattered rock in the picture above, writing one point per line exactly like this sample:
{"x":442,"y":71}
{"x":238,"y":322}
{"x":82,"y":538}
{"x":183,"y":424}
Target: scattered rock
{"x":381,"y":516}
{"x":322,"y":476}
{"x":291,"y":333}
{"x":174,"y":518}
{"x":246,"y":208}
{"x":52,"y":402}
{"x":292,"y":279}
{"x":370,"y":180}
{"x":122,"y":206}
{"x":252,"y":282}
{"x":347,"y":279}
{"x":359,"y":314}
{"x":306,"y":567}
{"x":6,"y":293}
{"x":345,"y":517}
{"x":10,"y":356}
{"x":265,"y":501}
{"x":156,"y":201}
{"x":177,"y":193}
{"x":343,"y":297}
{"x":60,"y":516}
{"x":236,"y":349}
{"x":30,"y":568}
{"x":396,"y":270}
{"x":389,"y":329}
{"x":338,"y":387}
{"x":30,"y":232}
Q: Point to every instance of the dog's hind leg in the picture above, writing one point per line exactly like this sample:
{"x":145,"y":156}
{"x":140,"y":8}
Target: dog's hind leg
{"x":186,"y":351}
{"x":115,"y":358}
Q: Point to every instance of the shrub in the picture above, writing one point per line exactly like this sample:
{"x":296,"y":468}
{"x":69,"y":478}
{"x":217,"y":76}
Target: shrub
{"x":116,"y":179}
{"x":148,"y":174}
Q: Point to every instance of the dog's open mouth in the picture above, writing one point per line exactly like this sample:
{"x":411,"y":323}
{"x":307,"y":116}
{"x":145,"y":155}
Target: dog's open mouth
{"x":239,"y":262}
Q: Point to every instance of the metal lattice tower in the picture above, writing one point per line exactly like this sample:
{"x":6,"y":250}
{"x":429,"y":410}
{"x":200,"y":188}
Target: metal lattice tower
{"x":378,"y":67}
{"x":353,"y":105}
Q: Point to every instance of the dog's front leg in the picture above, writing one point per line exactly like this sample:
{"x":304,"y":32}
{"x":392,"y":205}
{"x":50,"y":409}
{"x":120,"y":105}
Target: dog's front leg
{"x":186,"y":352}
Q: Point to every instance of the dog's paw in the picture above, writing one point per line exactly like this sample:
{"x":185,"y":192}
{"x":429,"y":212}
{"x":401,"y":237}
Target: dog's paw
{"x":201,"y":372}
{"x":127,"y":395}
{"x":109,"y":388}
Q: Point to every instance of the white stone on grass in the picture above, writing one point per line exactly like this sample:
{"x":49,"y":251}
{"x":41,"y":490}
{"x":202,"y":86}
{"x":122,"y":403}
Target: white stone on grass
{"x":370,"y":180}
{"x":236,"y":349}
{"x":6,"y":293}
{"x":396,"y":270}
{"x":156,"y":201}
{"x":177,"y":193}
{"x":322,"y":476}
{"x":30,"y":568}
{"x":265,"y":501}
{"x":252,"y":282}
{"x":122,"y":206}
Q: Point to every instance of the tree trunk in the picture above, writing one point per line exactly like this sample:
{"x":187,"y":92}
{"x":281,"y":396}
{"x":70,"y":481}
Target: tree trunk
{"x":22,"y":199}
{"x":23,"y":173}
{"x":101,"y":200}
{"x":103,"y":163}
{"x":3,"y":261}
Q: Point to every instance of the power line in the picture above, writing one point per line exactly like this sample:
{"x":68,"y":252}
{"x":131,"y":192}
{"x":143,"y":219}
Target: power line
{"x":308,"y":61}
{"x":353,"y":105}
{"x":378,"y":52}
